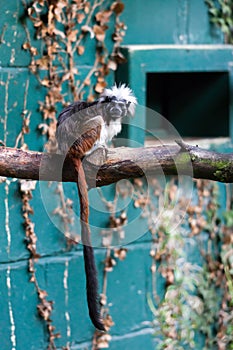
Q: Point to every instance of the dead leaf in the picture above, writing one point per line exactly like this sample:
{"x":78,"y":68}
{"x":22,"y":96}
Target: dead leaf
{"x":138,"y":182}
{"x":42,"y":294}
{"x":44,"y":128}
{"x":46,"y":82}
{"x":172,"y":192}
{"x":99,"y":87}
{"x":108,"y":322}
{"x":80,"y":17}
{"x":103,"y":16}
{"x":81,"y":50}
{"x":99,"y":32}
{"x":45,"y":309}
{"x":72,"y":35}
{"x":117,"y":7}
{"x":112,"y":65}
{"x":117,"y":37}
{"x":33,"y":51}
{"x":66,"y":76}
{"x":88,"y":29}
{"x":103,"y":299}
{"x":32,"y":279}
{"x":153,"y":268}
{"x":50,"y":17}
{"x":38,"y":23}
{"x":27,"y":185}
{"x":59,"y":33}
{"x":119,"y":57}
{"x":87,"y":82}
{"x":43,"y":62}
{"x":120,"y":253}
{"x":109,"y":264}
{"x":87,"y":7}
{"x":26,"y":45}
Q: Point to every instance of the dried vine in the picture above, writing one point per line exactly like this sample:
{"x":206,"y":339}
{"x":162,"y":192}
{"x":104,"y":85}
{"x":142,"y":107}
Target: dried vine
{"x":45,"y":307}
{"x":115,"y":228}
{"x":198,"y":296}
{"x":67,"y":30}
{"x":26,"y":188}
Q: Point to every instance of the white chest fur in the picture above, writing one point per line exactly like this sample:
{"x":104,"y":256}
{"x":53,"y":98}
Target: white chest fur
{"x":109,"y":131}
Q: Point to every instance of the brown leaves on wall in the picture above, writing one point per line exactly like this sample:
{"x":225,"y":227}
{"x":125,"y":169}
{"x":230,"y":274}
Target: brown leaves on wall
{"x":63,"y":38}
{"x":65,"y":30}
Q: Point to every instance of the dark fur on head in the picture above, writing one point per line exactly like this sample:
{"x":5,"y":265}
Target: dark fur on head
{"x":123,"y":94}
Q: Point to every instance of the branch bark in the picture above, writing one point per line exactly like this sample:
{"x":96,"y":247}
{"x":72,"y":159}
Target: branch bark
{"x":120,"y":163}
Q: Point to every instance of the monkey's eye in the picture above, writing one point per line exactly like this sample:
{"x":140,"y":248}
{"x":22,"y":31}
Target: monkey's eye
{"x":113,"y":99}
{"x":105,"y":99}
{"x":121,"y":103}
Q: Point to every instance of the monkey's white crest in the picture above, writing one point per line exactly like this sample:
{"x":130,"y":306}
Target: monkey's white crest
{"x":122,"y":92}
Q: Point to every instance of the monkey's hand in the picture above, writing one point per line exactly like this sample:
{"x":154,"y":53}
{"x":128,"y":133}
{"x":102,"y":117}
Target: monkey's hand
{"x":98,"y":155}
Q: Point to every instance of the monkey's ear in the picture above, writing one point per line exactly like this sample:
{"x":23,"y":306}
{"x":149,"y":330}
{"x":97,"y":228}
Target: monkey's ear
{"x":101,"y":99}
{"x":131,"y":108}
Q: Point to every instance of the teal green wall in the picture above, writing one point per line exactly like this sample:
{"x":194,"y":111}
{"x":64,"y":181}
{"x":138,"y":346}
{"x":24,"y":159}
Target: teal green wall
{"x":163,"y":21}
{"x":152,"y":21}
{"x":19,"y":321}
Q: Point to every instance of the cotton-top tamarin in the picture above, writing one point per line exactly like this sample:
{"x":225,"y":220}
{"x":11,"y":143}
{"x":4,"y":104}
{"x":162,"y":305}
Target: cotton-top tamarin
{"x":82,"y":127}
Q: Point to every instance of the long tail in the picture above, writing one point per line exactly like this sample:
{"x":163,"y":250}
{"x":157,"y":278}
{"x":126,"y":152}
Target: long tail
{"x":89,"y":259}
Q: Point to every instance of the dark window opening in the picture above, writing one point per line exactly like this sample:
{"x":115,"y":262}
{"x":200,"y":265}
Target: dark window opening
{"x":196,"y":104}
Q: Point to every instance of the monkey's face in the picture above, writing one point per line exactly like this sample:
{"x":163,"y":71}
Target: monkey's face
{"x":115,"y":109}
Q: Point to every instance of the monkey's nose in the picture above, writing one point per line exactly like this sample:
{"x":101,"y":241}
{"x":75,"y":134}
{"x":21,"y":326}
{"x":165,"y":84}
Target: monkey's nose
{"x":116,"y":111}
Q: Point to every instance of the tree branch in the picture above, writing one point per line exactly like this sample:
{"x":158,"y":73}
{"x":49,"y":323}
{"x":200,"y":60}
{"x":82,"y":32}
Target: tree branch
{"x":120,"y":163}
